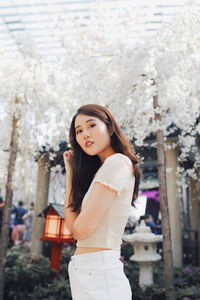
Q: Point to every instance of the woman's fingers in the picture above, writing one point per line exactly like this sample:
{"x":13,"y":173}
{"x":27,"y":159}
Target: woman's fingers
{"x":68,"y":154}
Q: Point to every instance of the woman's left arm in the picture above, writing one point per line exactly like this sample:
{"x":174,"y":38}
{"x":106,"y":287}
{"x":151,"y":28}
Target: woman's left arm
{"x":98,"y":202}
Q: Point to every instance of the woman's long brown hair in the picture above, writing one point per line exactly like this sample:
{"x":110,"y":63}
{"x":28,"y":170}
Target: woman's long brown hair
{"x":85,"y":166}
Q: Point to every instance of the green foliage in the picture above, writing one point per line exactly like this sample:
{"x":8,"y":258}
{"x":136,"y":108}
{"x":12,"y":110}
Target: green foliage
{"x":187,"y":276}
{"x":188,"y":283}
{"x":28,"y":278}
{"x":59,"y":289}
{"x":126,"y":250}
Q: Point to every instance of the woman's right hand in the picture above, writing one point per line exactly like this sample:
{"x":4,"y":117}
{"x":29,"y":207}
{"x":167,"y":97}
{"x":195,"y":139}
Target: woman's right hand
{"x":67,"y":156}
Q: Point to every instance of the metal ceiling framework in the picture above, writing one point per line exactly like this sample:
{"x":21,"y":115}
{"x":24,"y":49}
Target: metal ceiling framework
{"x":35,"y":17}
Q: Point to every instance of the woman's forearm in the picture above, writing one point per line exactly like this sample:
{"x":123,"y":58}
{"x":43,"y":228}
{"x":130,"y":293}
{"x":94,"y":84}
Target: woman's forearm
{"x":69,"y":216}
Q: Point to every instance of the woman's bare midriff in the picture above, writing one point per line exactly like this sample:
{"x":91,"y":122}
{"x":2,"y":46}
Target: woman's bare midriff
{"x":82,"y":250}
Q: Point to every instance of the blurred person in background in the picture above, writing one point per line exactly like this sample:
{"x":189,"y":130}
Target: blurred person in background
{"x":149,"y":221}
{"x":28,"y":222}
{"x":19,"y":227}
{"x":155,"y":228}
{"x":11,"y":226}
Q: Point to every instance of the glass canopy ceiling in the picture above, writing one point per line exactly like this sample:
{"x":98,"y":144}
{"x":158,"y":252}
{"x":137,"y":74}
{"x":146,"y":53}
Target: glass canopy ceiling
{"x":35,"y":17}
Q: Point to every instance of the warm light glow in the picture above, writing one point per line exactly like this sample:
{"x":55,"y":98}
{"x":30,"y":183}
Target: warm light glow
{"x":52,"y":226}
{"x":64,"y":230}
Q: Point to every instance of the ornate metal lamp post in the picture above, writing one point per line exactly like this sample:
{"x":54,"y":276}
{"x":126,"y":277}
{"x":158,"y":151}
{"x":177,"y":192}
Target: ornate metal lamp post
{"x":56,"y":232}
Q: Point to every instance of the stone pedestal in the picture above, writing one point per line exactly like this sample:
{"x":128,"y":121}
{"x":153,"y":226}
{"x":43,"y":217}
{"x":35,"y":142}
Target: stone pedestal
{"x":146,"y":274}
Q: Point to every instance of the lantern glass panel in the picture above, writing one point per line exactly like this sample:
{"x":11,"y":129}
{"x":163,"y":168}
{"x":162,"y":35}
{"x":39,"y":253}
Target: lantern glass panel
{"x":64,"y":230}
{"x":52,"y":226}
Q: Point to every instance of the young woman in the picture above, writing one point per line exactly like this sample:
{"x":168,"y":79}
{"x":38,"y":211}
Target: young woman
{"x":102,"y":182}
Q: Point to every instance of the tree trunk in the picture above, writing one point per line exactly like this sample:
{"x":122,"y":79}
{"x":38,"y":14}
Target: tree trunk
{"x":40,"y":204}
{"x":167,"y":245}
{"x":174,"y":205}
{"x":8,"y":200}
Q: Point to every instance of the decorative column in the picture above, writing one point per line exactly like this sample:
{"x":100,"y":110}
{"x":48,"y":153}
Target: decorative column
{"x":195,"y":202}
{"x":174,"y":205}
{"x":40,"y":203}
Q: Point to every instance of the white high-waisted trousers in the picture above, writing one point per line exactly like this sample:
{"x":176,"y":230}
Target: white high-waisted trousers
{"x":98,"y":276}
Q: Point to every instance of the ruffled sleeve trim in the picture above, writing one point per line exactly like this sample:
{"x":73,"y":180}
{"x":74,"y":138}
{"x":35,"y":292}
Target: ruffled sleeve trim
{"x":110,"y":186}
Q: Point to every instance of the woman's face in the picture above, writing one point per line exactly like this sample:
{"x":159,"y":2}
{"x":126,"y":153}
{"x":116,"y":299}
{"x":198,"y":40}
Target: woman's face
{"x":92,"y":136}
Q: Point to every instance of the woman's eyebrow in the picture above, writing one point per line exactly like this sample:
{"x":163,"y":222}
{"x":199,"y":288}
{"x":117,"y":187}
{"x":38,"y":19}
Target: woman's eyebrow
{"x":85,"y":122}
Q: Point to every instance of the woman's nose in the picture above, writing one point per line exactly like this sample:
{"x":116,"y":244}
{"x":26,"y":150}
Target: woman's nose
{"x":86,"y":134}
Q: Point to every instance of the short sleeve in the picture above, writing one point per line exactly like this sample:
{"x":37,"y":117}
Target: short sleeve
{"x":114,"y":172}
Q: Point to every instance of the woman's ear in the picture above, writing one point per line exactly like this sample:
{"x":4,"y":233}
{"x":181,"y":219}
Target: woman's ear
{"x":111,"y":131}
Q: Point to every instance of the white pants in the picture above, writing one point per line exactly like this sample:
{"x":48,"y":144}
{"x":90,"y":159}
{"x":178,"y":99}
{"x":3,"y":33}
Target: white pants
{"x":98,"y":276}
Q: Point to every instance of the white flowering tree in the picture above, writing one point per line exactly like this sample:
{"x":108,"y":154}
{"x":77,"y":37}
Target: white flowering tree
{"x":115,"y":64}
{"x":29,"y":121}
{"x":171,"y":75}
{"x":150,"y":85}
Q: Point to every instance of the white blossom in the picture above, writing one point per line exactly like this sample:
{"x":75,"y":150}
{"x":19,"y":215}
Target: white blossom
{"x":107,"y":60}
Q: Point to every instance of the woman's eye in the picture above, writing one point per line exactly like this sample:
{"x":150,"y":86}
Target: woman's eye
{"x":78,"y":131}
{"x":92,"y":125}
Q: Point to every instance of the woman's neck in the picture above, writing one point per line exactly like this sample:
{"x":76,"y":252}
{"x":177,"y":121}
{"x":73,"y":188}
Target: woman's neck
{"x":106,"y":154}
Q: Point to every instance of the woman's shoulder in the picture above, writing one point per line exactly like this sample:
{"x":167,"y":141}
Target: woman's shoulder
{"x":118,"y":158}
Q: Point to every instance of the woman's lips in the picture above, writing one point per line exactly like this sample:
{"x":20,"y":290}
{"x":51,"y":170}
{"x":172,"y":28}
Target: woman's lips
{"x":88,"y":143}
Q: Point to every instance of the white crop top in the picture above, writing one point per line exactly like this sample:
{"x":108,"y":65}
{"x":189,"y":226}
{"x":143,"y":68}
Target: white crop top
{"x":116,"y":173}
